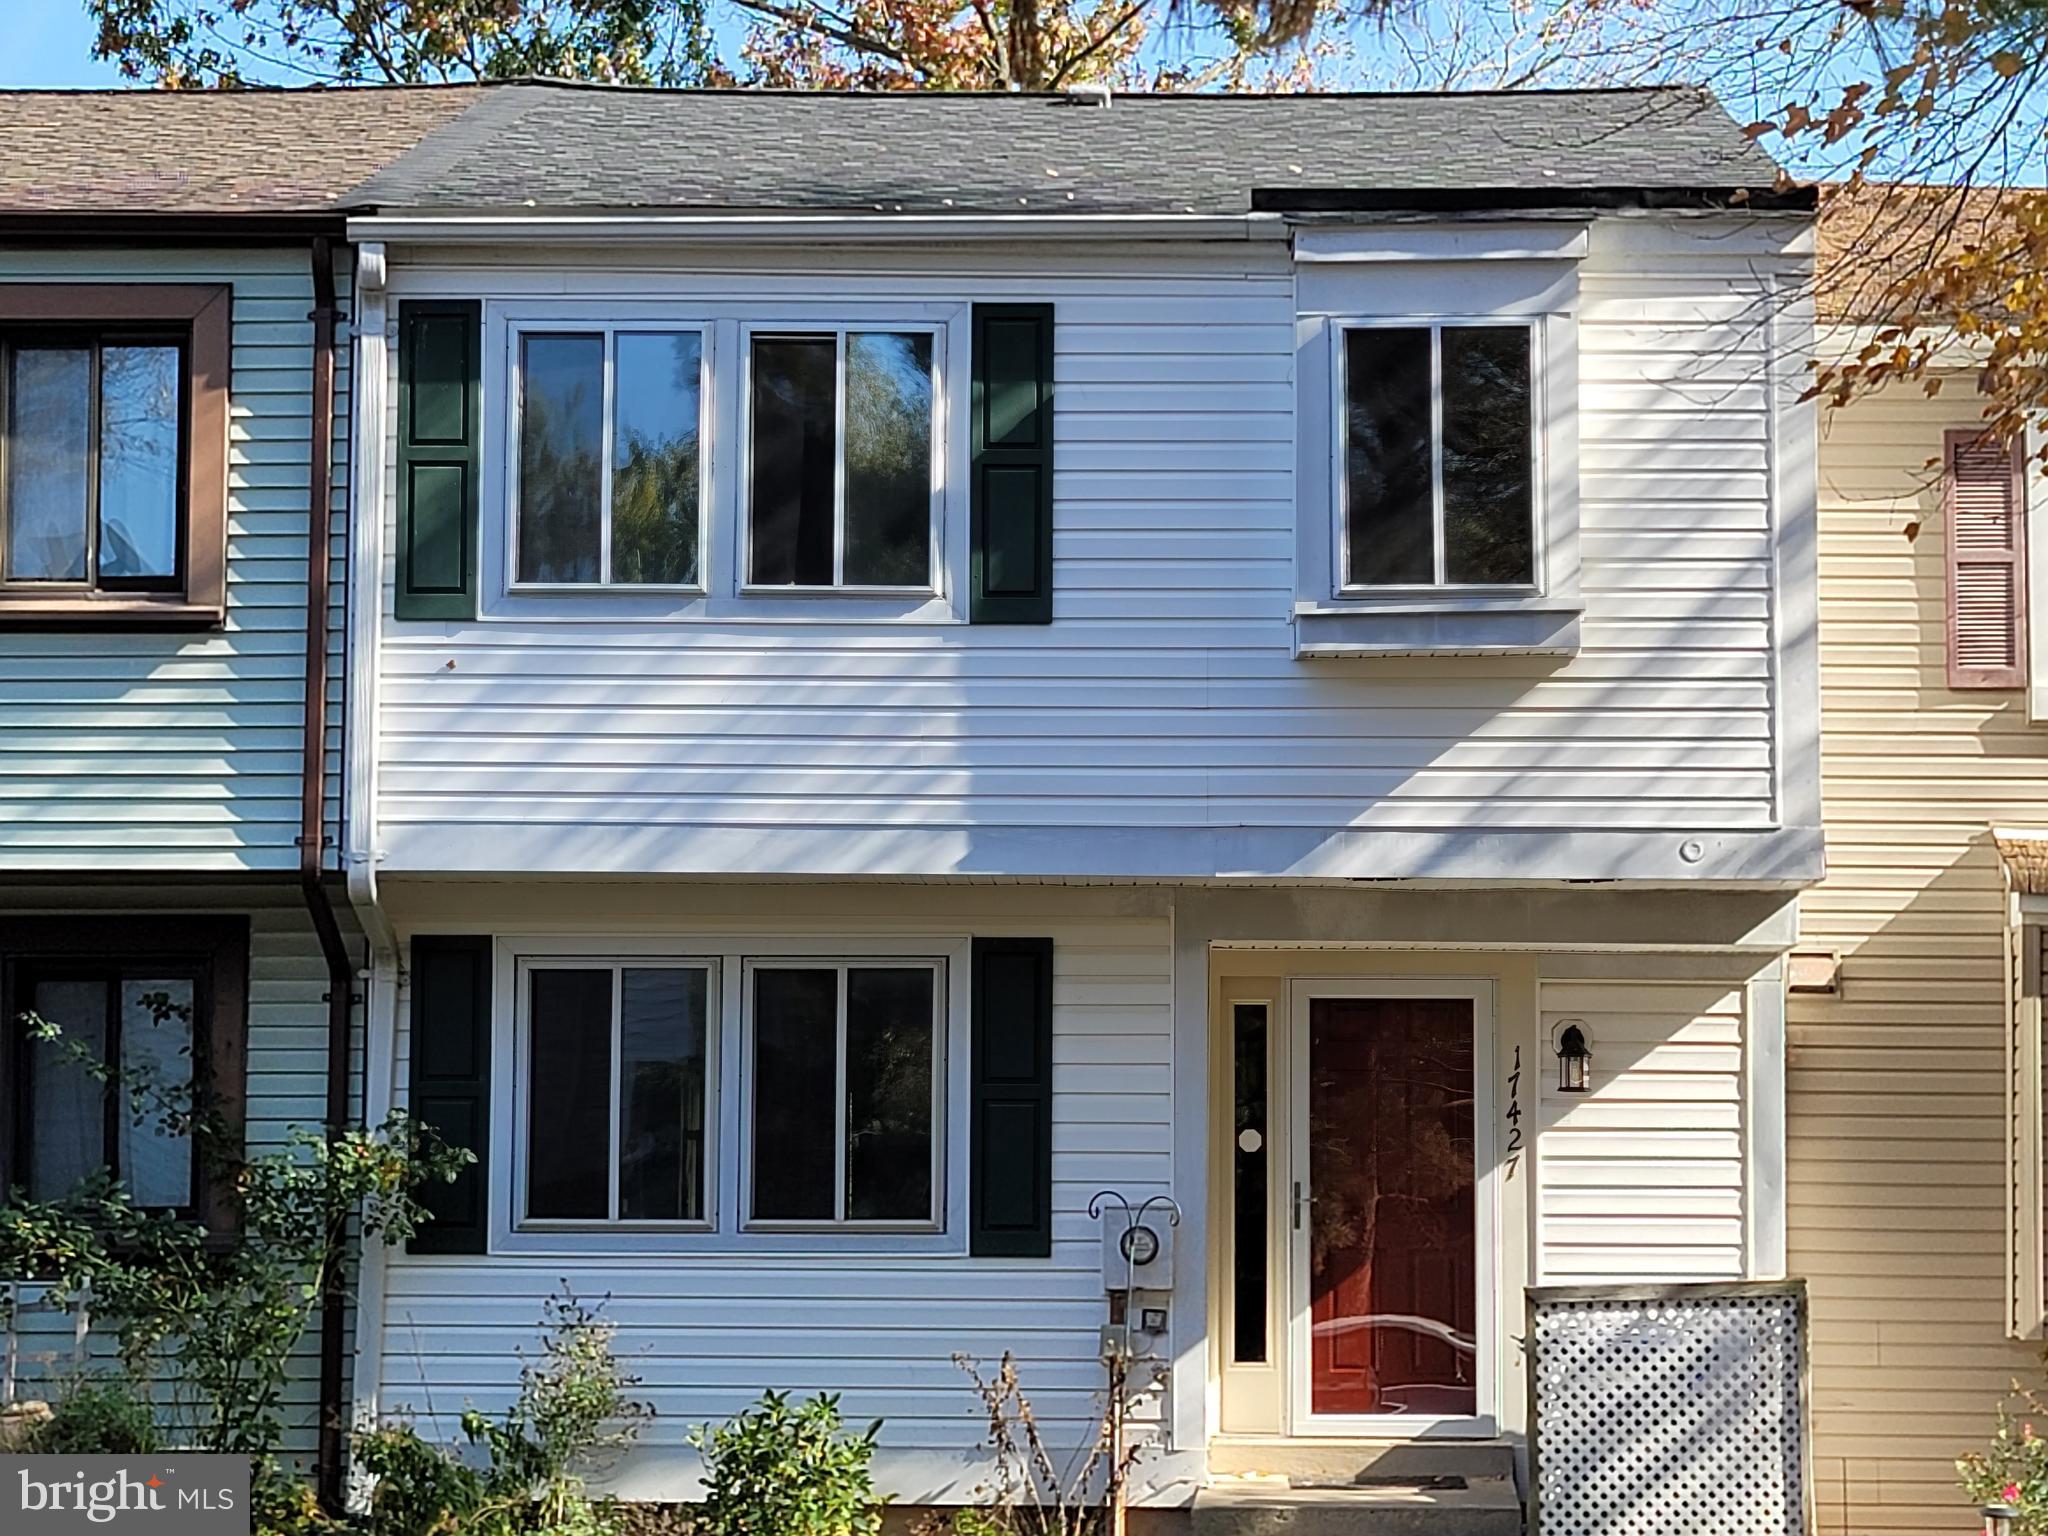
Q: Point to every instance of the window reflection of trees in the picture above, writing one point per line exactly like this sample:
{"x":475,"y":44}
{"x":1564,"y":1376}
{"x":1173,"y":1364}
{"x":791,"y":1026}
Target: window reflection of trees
{"x":655,"y":459}
{"x":888,"y":459}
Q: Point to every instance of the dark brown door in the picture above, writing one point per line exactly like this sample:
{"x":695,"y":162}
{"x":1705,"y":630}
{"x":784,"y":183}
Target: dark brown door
{"x":1389,"y":1208}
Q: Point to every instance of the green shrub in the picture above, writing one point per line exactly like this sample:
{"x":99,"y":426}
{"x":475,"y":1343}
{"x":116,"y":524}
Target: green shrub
{"x":574,"y":1408}
{"x":282,"y":1504}
{"x":98,"y":1418}
{"x":2012,"y":1472}
{"x":227,"y":1316}
{"x":783,"y":1470}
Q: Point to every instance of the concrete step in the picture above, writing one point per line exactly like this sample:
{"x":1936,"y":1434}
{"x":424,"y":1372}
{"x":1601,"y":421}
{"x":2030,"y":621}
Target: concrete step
{"x":1339,"y":1460}
{"x":1278,"y":1506}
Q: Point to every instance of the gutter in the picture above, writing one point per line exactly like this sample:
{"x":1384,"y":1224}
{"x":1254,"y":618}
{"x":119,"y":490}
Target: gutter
{"x":340,"y":996}
{"x":235,"y":229}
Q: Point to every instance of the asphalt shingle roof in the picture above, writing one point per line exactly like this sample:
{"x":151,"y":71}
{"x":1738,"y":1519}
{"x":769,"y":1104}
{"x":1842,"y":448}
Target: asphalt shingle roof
{"x":546,"y":145}
{"x":206,"y":152}
{"x":566,"y":147}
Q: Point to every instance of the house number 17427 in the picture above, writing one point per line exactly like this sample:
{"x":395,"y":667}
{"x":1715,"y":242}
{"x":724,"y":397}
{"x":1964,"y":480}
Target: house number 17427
{"x":1511,"y":1154}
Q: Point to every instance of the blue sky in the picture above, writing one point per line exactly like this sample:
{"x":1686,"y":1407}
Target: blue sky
{"x":49,"y":43}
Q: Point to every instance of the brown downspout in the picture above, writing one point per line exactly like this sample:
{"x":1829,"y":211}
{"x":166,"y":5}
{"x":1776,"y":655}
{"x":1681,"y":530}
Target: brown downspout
{"x":312,"y":839}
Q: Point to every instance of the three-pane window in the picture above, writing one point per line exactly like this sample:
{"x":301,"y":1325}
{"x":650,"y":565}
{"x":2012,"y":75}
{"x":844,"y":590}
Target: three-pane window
{"x":1438,"y":456}
{"x":135,"y":1024}
{"x":844,"y":1064}
{"x":610,"y":483}
{"x":92,"y":460}
{"x":617,"y":1091}
{"x":841,"y":484}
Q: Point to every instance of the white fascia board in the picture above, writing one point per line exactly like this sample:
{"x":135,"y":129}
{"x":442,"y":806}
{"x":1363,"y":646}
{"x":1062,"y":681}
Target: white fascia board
{"x":1784,"y":858}
{"x":758,"y":229}
{"x":1525,"y":241}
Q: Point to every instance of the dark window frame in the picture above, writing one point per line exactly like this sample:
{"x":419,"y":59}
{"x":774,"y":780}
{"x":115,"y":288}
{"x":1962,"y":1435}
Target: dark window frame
{"x":1439,"y":584}
{"x":198,"y":317}
{"x":213,"y":951}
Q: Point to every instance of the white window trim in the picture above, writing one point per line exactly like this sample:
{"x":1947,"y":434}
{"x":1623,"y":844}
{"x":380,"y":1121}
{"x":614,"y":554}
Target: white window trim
{"x":1340,"y":479}
{"x":522,"y":1075}
{"x":721,"y":465}
{"x":934,"y":1221}
{"x":724,"y":1234}
{"x":514,"y":405}
{"x":1333,"y":621}
{"x":752,"y":330}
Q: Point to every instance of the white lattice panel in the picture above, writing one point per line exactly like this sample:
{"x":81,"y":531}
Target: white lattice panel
{"x":1679,"y":1416}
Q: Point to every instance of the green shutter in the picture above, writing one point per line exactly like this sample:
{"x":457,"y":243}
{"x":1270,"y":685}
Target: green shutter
{"x":1010,"y":1154}
{"x":1011,"y":543}
{"x":439,"y":348}
{"x":451,"y":1082}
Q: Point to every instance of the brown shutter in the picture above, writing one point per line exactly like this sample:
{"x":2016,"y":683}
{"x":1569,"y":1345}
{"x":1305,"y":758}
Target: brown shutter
{"x":1987,"y":563}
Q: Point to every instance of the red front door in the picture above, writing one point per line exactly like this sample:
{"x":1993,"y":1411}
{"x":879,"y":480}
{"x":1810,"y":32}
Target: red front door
{"x":1391,"y":1253}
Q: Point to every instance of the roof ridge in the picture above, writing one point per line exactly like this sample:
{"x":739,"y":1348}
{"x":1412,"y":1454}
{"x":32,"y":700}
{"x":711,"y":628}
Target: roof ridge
{"x":559,"y":82}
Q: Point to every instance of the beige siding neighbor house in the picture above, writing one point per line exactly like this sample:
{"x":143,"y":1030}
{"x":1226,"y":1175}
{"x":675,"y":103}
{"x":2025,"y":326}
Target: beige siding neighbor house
{"x":1913,"y":1087}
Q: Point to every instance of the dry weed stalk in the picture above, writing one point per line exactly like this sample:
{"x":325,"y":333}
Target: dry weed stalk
{"x":1037,"y":1489}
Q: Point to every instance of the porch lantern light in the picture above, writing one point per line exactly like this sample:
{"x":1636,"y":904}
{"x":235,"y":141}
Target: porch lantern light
{"x":1574,"y":1060}
{"x":1998,"y":1519}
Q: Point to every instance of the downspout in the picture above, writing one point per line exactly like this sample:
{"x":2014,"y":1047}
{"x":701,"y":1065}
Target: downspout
{"x":312,"y":839}
{"x":368,"y":392}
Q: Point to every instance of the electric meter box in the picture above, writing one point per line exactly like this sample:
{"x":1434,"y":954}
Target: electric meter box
{"x":1140,"y":1256}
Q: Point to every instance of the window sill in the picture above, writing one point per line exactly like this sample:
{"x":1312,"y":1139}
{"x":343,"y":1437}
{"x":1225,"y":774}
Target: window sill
{"x":113,"y":610}
{"x":713,"y":1244}
{"x":1437,"y":626}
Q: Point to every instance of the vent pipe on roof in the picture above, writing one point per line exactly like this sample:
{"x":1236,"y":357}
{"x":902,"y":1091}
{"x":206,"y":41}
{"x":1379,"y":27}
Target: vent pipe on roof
{"x":1092,"y":94}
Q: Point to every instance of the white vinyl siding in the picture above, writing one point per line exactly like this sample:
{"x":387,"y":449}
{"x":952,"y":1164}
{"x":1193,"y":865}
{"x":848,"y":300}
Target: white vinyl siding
{"x":708,"y":1331}
{"x":180,"y":751}
{"x":1644,"y":1178}
{"x":1165,"y":698}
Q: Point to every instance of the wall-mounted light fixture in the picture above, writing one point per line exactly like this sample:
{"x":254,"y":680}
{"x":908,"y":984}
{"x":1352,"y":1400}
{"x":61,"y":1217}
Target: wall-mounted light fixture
{"x":1574,"y":1057}
{"x":1998,"y":1519}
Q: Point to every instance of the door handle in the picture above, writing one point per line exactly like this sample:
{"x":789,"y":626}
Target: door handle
{"x":1299,"y":1201}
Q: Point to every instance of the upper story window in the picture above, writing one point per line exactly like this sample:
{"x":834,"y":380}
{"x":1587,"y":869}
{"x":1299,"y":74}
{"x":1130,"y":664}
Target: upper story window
{"x":651,"y":459}
{"x":610,"y":488}
{"x":95,"y":435}
{"x":1439,"y":456}
{"x":841,"y":458}
{"x":113,"y":411}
